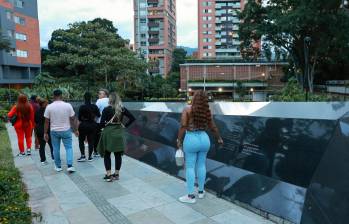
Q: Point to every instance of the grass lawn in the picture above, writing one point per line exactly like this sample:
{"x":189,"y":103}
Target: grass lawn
{"x":13,"y":197}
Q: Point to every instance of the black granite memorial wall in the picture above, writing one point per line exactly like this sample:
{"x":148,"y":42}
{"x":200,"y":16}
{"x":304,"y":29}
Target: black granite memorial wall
{"x":272,"y":153}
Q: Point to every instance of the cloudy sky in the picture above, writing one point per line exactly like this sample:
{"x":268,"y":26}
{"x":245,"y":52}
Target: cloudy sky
{"x":54,"y":14}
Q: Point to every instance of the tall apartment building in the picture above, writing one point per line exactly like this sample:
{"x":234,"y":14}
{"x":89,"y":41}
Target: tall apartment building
{"x":155,"y":33}
{"x":218,"y":28}
{"x":19,"y":23}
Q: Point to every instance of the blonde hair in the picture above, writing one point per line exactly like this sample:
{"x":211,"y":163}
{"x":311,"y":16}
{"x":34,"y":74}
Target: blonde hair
{"x":116,"y":103}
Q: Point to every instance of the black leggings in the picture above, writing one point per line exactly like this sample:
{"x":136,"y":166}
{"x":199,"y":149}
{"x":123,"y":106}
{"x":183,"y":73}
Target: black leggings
{"x":107,"y":160}
{"x":42,"y":143}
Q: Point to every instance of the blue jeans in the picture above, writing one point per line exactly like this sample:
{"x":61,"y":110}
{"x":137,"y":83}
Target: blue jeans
{"x":195,"y":146}
{"x":66,"y":137}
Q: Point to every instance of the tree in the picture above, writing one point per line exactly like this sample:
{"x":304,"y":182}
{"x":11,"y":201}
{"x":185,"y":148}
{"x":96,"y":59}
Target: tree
{"x":283,"y":25}
{"x":91,"y":51}
{"x":42,"y":80}
{"x":178,"y":57}
{"x":4,"y":43}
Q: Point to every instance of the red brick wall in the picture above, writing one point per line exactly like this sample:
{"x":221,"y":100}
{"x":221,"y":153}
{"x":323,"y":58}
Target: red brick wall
{"x":32,"y":44}
{"x":6,"y":4}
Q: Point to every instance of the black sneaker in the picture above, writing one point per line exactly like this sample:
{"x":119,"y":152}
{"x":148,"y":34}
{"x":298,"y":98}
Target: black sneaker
{"x":95,"y":154}
{"x":90,"y":159}
{"x":108,"y":178}
{"x":82,"y":159}
{"x":115,"y":176}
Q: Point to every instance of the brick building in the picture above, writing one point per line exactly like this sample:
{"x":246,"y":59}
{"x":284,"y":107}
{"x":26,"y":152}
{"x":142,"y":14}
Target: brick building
{"x":155,"y":33}
{"x":19,"y":23}
{"x":223,"y":77}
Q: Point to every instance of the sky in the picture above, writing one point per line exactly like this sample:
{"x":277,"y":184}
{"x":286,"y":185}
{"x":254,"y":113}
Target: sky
{"x":56,"y":14}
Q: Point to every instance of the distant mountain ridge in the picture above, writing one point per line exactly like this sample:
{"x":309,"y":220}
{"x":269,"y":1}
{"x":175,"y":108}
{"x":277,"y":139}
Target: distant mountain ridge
{"x":189,"y":50}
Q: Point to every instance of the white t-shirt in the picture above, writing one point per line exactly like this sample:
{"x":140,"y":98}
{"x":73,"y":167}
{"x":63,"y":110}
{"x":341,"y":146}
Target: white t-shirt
{"x":101,"y":104}
{"x":59,"y":113}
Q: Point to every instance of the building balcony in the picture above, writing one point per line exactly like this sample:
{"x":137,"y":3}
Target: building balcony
{"x":226,"y":50}
{"x":153,"y":32}
{"x":153,"y":40}
{"x":153,"y":24}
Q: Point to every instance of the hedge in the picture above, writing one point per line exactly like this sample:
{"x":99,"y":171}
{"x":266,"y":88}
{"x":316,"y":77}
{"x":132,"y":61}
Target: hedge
{"x":13,"y":196}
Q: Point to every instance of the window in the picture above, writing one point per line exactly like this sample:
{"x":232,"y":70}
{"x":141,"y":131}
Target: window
{"x":19,"y":20}
{"x":207,"y":25}
{"x":207,"y":40}
{"x":10,"y":33}
{"x":8,"y":15}
{"x":12,"y":52}
{"x":207,"y":18}
{"x":207,"y":47}
{"x":143,"y":20}
{"x":207,"y":32}
{"x":21,"y":36}
{"x":206,"y":54}
{"x":19,"y":3}
{"x":143,"y":43}
{"x":22,"y":54}
{"x":207,"y":11}
{"x":207,"y":3}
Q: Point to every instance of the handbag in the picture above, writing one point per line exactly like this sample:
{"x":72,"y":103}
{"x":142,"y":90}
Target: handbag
{"x":179,"y":157}
{"x":13,"y":119}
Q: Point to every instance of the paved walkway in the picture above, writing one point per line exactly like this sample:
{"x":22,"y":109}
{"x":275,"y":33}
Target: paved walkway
{"x":143,"y":195}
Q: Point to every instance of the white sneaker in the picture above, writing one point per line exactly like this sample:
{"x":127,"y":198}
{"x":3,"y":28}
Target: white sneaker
{"x":58,"y":169}
{"x":201,"y":195}
{"x":21,"y":154}
{"x":29,"y":152}
{"x":71,"y":169}
{"x":187,"y":199}
{"x":44,"y":163}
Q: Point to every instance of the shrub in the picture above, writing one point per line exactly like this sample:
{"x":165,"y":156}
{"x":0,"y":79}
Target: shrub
{"x":13,"y":196}
{"x":292,"y":92}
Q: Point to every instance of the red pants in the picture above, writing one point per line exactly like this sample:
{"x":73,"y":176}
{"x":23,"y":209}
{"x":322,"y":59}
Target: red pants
{"x":21,"y":133}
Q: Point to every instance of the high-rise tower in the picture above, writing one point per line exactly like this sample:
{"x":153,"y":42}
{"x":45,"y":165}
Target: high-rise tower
{"x":155,"y":33}
{"x":218,"y":28}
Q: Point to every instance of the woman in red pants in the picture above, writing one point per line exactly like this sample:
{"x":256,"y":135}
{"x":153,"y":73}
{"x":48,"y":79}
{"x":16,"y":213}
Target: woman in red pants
{"x":24,"y":123}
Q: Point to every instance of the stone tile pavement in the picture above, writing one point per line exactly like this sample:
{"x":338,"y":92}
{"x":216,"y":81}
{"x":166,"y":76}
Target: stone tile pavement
{"x":143,"y":195}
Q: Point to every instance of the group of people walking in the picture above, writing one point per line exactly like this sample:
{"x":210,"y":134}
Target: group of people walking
{"x":102,"y":125}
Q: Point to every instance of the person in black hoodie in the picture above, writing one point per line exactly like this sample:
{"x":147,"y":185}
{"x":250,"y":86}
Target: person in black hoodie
{"x":88,"y":126}
{"x":39,"y":130}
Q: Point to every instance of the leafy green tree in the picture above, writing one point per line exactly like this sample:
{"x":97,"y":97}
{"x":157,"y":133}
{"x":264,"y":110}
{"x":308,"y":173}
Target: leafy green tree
{"x":283,"y":26}
{"x":44,"y":79}
{"x":4,"y":42}
{"x":174,"y":80}
{"x":178,"y":57}
{"x":91,"y":51}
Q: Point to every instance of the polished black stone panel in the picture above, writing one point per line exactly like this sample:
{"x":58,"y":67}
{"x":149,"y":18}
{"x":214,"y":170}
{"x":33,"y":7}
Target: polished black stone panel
{"x":266,"y":162}
{"x":327,"y":199}
{"x":272,"y":153}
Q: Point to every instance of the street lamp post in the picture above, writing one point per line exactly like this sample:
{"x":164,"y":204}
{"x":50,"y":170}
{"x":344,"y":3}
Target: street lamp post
{"x":307,"y":41}
{"x":205,"y":71}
